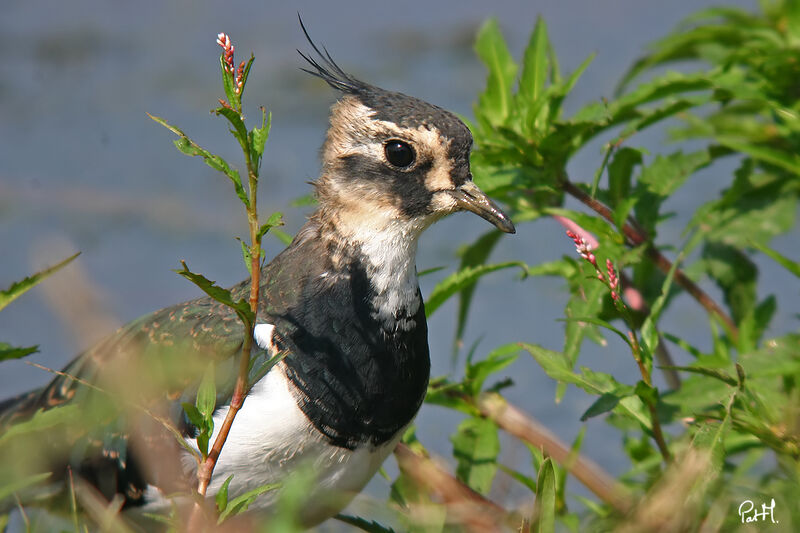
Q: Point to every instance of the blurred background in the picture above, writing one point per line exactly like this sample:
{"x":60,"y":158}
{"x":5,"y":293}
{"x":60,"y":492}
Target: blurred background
{"x":82,"y":168}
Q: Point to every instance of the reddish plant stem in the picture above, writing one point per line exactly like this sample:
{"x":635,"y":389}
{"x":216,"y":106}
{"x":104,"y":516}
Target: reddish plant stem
{"x":469,"y":508}
{"x":524,"y":427}
{"x":637,"y":236}
{"x":206,"y":468}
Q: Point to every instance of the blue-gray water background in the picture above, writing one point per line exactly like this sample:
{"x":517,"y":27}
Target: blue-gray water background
{"x":83,"y":168}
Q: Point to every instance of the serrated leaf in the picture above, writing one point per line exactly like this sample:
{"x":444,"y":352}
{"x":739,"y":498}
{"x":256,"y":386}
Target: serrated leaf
{"x":19,"y":287}
{"x":459,"y":280}
{"x":221,"y":499}
{"x":494,"y":103}
{"x":224,"y":296}
{"x":189,"y":147}
{"x":12,"y":352}
{"x":476,"y":445}
{"x":545,"y":510}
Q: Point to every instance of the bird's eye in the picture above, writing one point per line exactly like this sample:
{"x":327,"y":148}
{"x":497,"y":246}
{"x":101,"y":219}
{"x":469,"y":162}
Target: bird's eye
{"x":399,"y":153}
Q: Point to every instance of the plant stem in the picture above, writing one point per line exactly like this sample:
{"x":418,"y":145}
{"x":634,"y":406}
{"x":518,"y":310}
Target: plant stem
{"x":206,"y":469}
{"x":473,"y":510}
{"x":524,"y":427}
{"x":658,"y":435}
{"x":637,"y":236}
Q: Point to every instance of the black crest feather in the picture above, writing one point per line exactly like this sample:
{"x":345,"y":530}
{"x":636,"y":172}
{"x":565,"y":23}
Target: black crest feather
{"x":327,"y":69}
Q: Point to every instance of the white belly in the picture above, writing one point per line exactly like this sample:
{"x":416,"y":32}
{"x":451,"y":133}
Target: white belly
{"x":271,"y":437}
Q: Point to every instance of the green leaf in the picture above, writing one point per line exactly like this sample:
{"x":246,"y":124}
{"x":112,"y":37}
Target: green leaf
{"x":475,"y":254}
{"x":498,"y":359}
{"x":494,"y":103}
{"x":246,"y":256}
{"x":785,"y":262}
{"x":650,"y":338}
{"x":705,"y":371}
{"x":735,"y":274}
{"x":711,"y":437}
{"x":246,"y":74}
{"x":556,"y":365}
{"x":17,"y":485}
{"x":370,"y":526}
{"x":258,"y":137}
{"x":227,"y":82}
{"x":43,"y":421}
{"x":189,"y":147}
{"x":282,"y":236}
{"x":786,"y":160}
{"x":459,"y":280}
{"x":241,"y":306}
{"x":275,"y":219}
{"x":534,"y":75}
{"x":11,"y":352}
{"x":221,"y":499}
{"x":235,"y":118}
{"x":193,"y":414}
{"x":475,"y":446}
{"x":605,"y":403}
{"x":242,"y":502}
{"x":19,"y":287}
{"x":620,"y":172}
{"x":545,"y":511}
{"x":207,"y":396}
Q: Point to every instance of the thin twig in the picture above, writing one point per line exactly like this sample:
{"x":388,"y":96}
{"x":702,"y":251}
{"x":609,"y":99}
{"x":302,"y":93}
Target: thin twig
{"x":524,"y":427}
{"x":637,"y":236}
{"x":658,"y":434}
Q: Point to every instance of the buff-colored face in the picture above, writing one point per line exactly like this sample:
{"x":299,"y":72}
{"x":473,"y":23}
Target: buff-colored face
{"x":392,"y":157}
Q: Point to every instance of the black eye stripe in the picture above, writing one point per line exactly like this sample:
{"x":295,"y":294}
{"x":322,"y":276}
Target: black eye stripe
{"x":399,"y":153}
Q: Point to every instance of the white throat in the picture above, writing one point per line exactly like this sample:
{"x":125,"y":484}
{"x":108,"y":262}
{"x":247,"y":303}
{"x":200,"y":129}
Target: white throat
{"x":389,"y":251}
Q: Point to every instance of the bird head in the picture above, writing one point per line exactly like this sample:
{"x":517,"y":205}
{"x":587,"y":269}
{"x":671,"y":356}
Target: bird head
{"x":392,"y":158}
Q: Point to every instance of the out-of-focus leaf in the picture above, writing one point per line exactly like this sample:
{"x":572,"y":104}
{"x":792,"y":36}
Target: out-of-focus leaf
{"x":475,"y":447}
{"x":705,"y":371}
{"x":735,"y":274}
{"x":620,"y":171}
{"x":534,"y":77}
{"x":785,"y":262}
{"x":19,"y":287}
{"x":43,"y":420}
{"x":662,"y":178}
{"x":498,"y":359}
{"x":18,"y":485}
{"x":12,"y":352}
{"x":545,"y":510}
{"x":240,"y":503}
{"x":494,"y":103}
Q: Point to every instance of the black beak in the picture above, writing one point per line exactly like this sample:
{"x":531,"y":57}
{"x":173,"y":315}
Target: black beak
{"x":469,"y":197}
